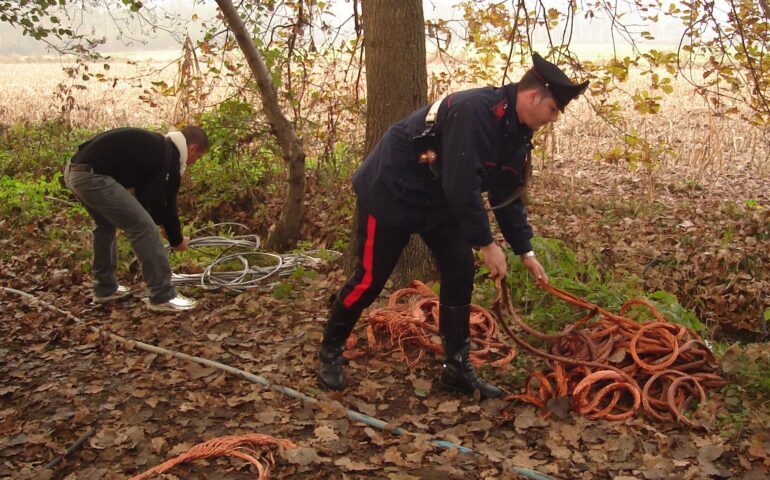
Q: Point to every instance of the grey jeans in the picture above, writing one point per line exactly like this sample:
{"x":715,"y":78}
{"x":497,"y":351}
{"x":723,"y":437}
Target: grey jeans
{"x":112,"y":206}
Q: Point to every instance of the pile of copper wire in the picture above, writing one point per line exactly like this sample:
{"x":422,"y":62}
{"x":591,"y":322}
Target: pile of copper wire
{"x":613,"y":366}
{"x":254,"y":448}
{"x":411,"y":317}
{"x":610,"y":365}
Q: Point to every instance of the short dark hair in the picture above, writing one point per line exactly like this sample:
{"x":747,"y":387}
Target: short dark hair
{"x":196,"y":136}
{"x":529,"y":81}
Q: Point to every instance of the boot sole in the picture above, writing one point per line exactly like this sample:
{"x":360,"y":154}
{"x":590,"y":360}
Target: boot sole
{"x":455,"y":389}
{"x":326,"y":386}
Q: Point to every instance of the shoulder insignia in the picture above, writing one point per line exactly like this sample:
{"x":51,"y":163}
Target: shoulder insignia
{"x":498,"y":111}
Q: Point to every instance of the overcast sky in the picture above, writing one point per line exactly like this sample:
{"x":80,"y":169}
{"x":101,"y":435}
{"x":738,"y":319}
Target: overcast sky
{"x":12,"y":42}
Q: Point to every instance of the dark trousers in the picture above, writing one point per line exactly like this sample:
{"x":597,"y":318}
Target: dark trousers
{"x":379,"y":248}
{"x":111,"y":207}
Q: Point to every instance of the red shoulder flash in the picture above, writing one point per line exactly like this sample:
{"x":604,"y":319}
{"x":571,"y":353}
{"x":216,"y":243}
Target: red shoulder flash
{"x":498,"y":111}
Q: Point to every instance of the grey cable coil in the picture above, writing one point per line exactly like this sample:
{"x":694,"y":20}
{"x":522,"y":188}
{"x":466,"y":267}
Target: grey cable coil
{"x":239,"y":249}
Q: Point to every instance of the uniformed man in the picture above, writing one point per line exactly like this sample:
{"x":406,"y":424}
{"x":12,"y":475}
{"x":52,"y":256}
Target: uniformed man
{"x":151,"y":164}
{"x":426,"y":176}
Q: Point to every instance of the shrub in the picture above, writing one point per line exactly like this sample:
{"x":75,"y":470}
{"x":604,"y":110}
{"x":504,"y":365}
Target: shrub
{"x":23,"y":201}
{"x":34,"y":150}
{"x":566,"y":272}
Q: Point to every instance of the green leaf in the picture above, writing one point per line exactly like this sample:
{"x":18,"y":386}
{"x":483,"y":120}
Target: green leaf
{"x":421,"y":392}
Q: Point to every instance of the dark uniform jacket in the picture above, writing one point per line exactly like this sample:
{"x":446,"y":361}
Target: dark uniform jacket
{"x":481,"y":147}
{"x":145,"y":161}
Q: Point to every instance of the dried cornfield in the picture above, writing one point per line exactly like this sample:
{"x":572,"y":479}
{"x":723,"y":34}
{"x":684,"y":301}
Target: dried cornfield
{"x":36,"y":90}
{"x":699,"y":140}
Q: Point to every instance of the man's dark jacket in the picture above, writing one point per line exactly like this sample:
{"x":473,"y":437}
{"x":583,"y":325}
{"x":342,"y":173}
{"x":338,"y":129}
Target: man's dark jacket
{"x":145,"y":161}
{"x":481,"y":147}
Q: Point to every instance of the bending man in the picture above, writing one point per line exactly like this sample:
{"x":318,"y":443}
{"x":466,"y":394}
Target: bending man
{"x":100,"y":174}
{"x":426,"y":176}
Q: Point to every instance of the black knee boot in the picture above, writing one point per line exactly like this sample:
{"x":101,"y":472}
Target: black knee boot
{"x":338,"y":328}
{"x":458,"y":374}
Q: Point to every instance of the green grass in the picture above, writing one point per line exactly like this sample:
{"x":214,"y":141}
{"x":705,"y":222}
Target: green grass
{"x":24,"y":200}
{"x":565,"y":271}
{"x":35,"y":150}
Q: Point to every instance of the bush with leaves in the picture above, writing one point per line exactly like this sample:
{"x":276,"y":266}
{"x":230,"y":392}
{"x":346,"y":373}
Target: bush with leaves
{"x":34,"y":150}
{"x":551,"y":314}
{"x":23,"y":201}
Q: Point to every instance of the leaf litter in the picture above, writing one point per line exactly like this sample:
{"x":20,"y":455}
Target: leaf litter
{"x":59,"y":379}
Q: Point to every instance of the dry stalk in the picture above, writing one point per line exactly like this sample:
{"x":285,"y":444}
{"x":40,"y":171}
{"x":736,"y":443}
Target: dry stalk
{"x":580,"y":136}
{"x":188,"y":87}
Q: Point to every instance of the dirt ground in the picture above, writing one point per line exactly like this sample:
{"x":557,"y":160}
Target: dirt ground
{"x":59,"y":380}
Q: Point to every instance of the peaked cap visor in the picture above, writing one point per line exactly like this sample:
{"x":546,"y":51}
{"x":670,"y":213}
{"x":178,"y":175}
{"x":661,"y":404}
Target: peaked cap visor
{"x":557,"y":83}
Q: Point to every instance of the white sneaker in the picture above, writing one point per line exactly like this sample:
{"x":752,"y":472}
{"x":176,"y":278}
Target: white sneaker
{"x":179,"y":303}
{"x":121,"y":293}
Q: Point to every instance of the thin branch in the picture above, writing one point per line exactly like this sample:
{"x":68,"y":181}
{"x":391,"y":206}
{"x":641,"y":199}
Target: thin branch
{"x":514,"y":30}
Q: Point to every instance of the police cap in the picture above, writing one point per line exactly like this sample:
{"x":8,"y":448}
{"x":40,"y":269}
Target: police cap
{"x":558,"y":84}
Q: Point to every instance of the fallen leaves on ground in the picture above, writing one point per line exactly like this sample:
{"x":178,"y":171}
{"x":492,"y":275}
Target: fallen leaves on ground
{"x":58,"y":380}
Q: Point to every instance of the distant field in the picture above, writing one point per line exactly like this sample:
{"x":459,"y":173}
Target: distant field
{"x":595,"y":52}
{"x":598,"y":52}
{"x":151,"y":56}
{"x":36,"y":89}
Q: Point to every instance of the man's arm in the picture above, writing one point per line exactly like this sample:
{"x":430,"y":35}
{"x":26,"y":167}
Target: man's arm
{"x":170,"y":220}
{"x":512,"y":220}
{"x":467,"y":134}
{"x":158,"y":197}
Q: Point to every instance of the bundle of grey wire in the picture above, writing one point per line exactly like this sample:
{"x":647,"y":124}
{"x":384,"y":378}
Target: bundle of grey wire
{"x":256,"y":269}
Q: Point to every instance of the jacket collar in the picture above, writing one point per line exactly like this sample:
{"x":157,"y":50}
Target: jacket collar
{"x":514,"y":126}
{"x":180,"y":142}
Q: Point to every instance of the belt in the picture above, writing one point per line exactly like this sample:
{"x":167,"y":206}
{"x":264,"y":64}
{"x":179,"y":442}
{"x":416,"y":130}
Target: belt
{"x":81,"y":167}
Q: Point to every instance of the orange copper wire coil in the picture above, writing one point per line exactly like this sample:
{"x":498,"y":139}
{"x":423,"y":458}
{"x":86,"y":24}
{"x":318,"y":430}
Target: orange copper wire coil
{"x":586,"y":405}
{"x":254,"y":448}
{"x":603,"y":373}
{"x":601,"y":359}
{"x":411,"y":319}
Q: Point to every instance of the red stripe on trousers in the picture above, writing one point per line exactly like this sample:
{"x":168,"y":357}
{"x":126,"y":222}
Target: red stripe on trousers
{"x":360,"y":288}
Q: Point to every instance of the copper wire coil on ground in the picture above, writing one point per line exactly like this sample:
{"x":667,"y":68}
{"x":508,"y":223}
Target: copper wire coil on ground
{"x":254,"y":448}
{"x":611,"y":365}
{"x":670,"y":361}
{"x":411,"y":317}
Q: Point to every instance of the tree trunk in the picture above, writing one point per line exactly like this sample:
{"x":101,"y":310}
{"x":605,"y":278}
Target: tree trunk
{"x":286,"y":232}
{"x":396,"y":74}
{"x":396,"y":85}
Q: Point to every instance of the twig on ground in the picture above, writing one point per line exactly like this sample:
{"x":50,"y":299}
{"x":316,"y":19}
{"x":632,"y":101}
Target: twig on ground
{"x":80,"y":441}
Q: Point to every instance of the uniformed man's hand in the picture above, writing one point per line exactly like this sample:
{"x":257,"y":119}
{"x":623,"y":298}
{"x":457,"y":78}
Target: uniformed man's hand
{"x":182,"y":245}
{"x":536,"y":269}
{"x":494,"y":258}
